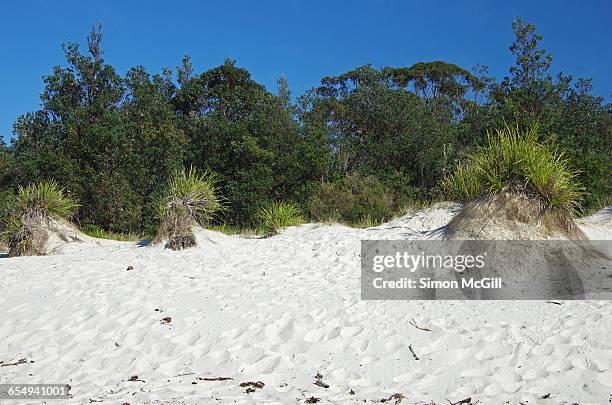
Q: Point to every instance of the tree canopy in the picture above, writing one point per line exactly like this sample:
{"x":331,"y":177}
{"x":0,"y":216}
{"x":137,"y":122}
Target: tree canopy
{"x":113,"y":140}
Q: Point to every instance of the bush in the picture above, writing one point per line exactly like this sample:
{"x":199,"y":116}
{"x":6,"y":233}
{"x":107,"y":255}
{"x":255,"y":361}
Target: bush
{"x":516,"y":161}
{"x":277,"y":216}
{"x":32,"y":205}
{"x":352,"y":200}
{"x":7,"y":207}
{"x":191,"y":198}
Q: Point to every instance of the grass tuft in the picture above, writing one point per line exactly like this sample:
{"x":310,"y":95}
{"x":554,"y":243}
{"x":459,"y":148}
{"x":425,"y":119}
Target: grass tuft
{"x":45,"y":200}
{"x":191,"y":198}
{"x":277,"y":216}
{"x":230,"y":229}
{"x":517,"y":161}
{"x":33,"y":204}
{"x":96,"y":232}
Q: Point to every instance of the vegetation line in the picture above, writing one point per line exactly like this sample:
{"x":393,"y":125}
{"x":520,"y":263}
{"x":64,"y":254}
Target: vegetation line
{"x":360,"y":148}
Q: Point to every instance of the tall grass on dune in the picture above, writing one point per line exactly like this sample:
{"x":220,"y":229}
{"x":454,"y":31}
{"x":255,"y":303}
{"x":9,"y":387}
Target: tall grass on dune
{"x":30,"y":208}
{"x":191,"y":198}
{"x":518,"y":162}
{"x":277,"y":216}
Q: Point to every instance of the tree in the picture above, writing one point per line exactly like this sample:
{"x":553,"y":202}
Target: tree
{"x":375,"y":128}
{"x":110,"y":141}
{"x":559,"y":106}
{"x":438,"y":81}
{"x":156,"y":146}
{"x":247,"y":135}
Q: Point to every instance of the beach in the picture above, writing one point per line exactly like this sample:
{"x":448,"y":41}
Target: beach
{"x":210,"y":323}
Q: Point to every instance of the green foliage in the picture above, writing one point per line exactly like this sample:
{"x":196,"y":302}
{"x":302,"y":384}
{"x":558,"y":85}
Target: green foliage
{"x":517,"y":161}
{"x":6,"y":165}
{"x":277,"y":216}
{"x":352,"y":200}
{"x":438,"y":79}
{"x":249,"y":137}
{"x":375,"y":128}
{"x":230,"y":229}
{"x":366,"y":222}
{"x":24,"y":211}
{"x":581,"y":122}
{"x":111,"y":141}
{"x":8,"y":211}
{"x":114,"y":141}
{"x":463,"y":184}
{"x":100,"y":233}
{"x":190,"y":198}
{"x":44,"y":200}
{"x":191,"y":194}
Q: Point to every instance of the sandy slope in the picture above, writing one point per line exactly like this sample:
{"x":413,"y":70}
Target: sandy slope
{"x":279,"y":311}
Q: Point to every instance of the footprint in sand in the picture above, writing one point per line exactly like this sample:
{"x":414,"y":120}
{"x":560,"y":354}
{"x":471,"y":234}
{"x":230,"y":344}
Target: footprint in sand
{"x":572,"y":323}
{"x":535,"y":374}
{"x":559,"y":366}
{"x":350,"y":331}
{"x":492,"y":390}
{"x":314,"y":335}
{"x":556,"y":340}
{"x":360,"y":345}
{"x":491,"y":351}
{"x":542,"y":350}
{"x":476,"y":372}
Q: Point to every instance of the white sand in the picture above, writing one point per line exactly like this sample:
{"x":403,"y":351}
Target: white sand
{"x":279,"y":310}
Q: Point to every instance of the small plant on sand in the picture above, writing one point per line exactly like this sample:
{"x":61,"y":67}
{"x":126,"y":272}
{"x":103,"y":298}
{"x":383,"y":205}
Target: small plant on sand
{"x":191,"y":198}
{"x":32,"y":207}
{"x":230,"y":229}
{"x":518,"y":162}
{"x":277,"y":216}
{"x":366,"y":222}
{"x":100,"y":233}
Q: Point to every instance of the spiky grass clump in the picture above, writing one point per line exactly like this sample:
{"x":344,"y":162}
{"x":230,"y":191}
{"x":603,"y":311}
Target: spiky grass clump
{"x":44,"y":200}
{"x":463,"y":184}
{"x":277,"y":216}
{"x":191,"y":198}
{"x":516,"y":161}
{"x":30,"y":208}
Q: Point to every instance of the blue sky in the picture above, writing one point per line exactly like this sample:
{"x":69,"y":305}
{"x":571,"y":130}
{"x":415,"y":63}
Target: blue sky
{"x":304,"y":40}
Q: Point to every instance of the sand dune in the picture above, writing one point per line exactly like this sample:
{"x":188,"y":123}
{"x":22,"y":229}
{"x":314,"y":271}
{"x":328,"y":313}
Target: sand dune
{"x":195,"y":325}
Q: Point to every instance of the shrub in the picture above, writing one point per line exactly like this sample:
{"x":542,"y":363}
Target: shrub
{"x":7,"y":208}
{"x":352,"y":200}
{"x":28,"y":209}
{"x":191,"y":198}
{"x":277,"y":216}
{"x":517,"y":161}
